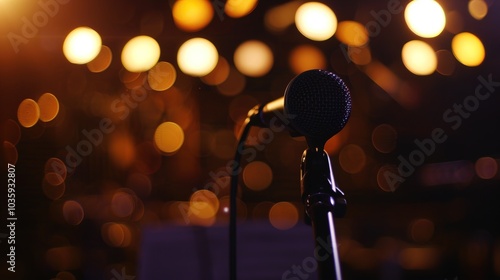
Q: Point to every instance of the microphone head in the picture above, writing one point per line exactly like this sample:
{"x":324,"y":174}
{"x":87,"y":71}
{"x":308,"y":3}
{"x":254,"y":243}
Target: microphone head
{"x":320,"y":103}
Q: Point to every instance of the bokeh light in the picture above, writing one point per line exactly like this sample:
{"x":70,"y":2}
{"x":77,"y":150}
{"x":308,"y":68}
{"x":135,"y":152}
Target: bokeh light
{"x":421,"y":230}
{"x":140,"y":54}
{"x":316,"y":21}
{"x":139,"y":210}
{"x":233,"y":85}
{"x":49,"y":107}
{"x":352,"y":158}
{"x":128,"y":77}
{"x":306,"y":57}
{"x":73,"y":212}
{"x":478,"y":9}
{"x":280,"y":17}
{"x":192,"y":15}
{"x":102,"y":61}
{"x":359,"y":55}
{"x":388,"y":178}
{"x":204,"y":204}
{"x":384,"y":138}
{"x":28,"y":113}
{"x":257,"y":175}
{"x":116,"y":234}
{"x":10,"y":153}
{"x":253,"y":58}
{"x":169,"y":137}
{"x":419,"y":58}
{"x":486,"y":168}
{"x":82,"y":45}
{"x":352,"y":33}
{"x":56,"y":165}
{"x":122,"y":203}
{"x":385,"y":78}
{"x":468,"y":49}
{"x":454,"y":22}
{"x":283,"y":215}
{"x":53,"y":185}
{"x":238,"y":8}
{"x":139,"y":85}
{"x":162,"y":76}
{"x":425,"y":18}
{"x":195,"y":219}
{"x":197,"y":57}
{"x":219,"y":74}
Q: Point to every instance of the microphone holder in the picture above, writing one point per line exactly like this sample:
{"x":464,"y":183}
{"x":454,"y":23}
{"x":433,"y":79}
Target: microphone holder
{"x":322,"y":202}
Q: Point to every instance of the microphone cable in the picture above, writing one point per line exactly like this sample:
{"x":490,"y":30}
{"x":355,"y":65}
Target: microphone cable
{"x":233,"y":192}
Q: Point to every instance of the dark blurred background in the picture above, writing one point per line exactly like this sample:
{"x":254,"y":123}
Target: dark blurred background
{"x":161,"y":137}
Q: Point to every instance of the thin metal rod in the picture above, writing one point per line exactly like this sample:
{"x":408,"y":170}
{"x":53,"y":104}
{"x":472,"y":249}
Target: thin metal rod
{"x":324,"y":233}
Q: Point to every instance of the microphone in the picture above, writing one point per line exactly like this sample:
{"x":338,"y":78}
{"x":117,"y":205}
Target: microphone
{"x":316,"y":104}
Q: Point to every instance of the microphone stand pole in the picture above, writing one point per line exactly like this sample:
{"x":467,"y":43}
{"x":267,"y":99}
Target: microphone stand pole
{"x":323,"y":201}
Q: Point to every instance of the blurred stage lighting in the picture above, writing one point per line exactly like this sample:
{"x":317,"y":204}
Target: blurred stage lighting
{"x":140,"y":54}
{"x":169,"y":137}
{"x":238,"y":8}
{"x":425,"y":18}
{"x":468,"y":49}
{"x":253,"y":58}
{"x":28,"y":113}
{"x":316,"y":21}
{"x":197,"y":57}
{"x":82,"y":45}
{"x":192,"y":15}
{"x":419,"y":58}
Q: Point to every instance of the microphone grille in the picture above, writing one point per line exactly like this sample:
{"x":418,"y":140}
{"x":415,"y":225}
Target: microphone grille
{"x":319,"y":102}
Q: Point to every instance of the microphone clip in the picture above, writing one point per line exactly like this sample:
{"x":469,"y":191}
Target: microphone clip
{"x":318,"y":187}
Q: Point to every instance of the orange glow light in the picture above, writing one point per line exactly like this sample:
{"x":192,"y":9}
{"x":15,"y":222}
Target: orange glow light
{"x":28,"y":113}
{"x":283,"y":215}
{"x":238,"y":8}
{"x":169,"y":137}
{"x":192,"y":15}
{"x":49,"y":107}
{"x":73,"y":212}
{"x":102,"y":61}
{"x":257,"y":175}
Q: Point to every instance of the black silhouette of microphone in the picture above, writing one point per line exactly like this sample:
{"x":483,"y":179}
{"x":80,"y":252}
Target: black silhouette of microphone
{"x":316,"y":104}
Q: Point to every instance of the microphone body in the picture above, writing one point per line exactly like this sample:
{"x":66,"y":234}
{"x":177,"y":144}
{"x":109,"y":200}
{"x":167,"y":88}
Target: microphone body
{"x":316,"y":104}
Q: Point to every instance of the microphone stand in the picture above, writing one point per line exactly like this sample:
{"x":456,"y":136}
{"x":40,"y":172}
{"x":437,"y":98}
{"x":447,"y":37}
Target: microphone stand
{"x":323,"y":201}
